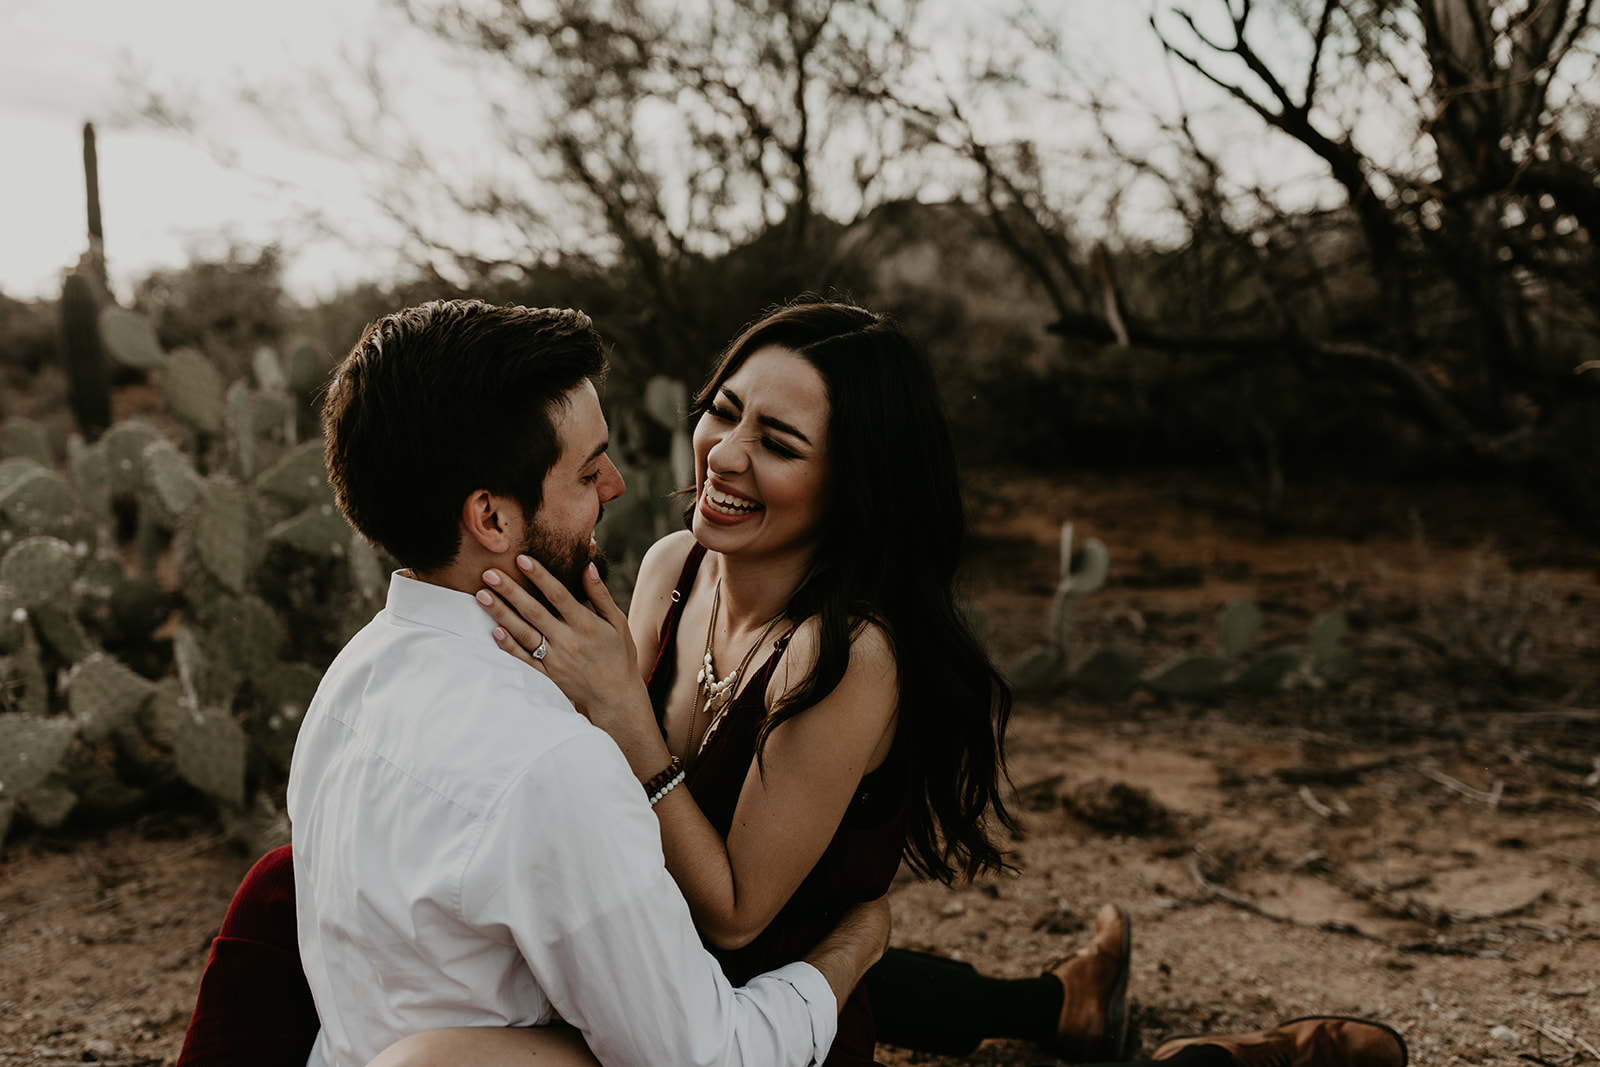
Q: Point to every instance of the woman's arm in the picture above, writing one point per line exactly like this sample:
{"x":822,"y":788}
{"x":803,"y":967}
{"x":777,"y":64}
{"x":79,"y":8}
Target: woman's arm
{"x":784,"y":818}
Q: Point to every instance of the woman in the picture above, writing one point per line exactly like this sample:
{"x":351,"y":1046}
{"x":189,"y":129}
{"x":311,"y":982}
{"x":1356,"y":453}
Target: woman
{"x":794,"y":682}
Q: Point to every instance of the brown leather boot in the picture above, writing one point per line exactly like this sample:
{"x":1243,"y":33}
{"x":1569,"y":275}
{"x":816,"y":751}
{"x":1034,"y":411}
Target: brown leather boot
{"x":1318,"y":1041}
{"x":1094,"y":1013}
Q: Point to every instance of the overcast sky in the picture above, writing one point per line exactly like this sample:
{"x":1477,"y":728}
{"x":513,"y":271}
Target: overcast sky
{"x":163,"y":195}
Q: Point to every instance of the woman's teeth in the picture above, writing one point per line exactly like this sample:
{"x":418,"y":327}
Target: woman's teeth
{"x":729,"y":504}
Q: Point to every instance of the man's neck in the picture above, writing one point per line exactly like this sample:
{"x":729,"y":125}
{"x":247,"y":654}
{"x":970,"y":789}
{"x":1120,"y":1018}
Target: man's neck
{"x":464,"y":575}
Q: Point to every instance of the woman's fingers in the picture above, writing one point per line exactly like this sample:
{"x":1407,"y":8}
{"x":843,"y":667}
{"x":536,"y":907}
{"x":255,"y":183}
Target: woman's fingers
{"x":561,"y":600}
{"x":513,"y":633}
{"x":604,"y":606}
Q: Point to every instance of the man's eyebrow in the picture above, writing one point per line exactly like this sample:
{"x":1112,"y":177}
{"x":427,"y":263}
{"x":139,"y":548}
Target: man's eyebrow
{"x":767,"y":420}
{"x":598,"y":452}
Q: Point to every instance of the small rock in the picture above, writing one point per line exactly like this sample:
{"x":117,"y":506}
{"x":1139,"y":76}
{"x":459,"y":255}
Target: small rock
{"x":1506,"y":1034}
{"x":99,"y":1049}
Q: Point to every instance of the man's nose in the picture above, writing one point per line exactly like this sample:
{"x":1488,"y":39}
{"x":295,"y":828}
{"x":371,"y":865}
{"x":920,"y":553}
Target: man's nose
{"x":611,"y":483}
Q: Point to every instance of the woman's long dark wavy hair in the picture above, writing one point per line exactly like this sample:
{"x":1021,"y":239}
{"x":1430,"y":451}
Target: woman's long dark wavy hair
{"x":891,"y":544}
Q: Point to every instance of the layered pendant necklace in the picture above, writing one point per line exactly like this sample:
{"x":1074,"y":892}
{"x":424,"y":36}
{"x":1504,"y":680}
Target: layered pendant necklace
{"x":717,"y":693}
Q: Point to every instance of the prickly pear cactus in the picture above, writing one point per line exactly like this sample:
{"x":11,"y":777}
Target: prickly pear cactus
{"x":25,"y":438}
{"x":282,"y":708}
{"x":268,"y":370}
{"x":172,"y":479}
{"x":239,"y":421}
{"x":228,"y":533}
{"x":58,"y":625}
{"x":251,"y":636}
{"x":209,"y":751}
{"x":1188,"y":677}
{"x":39,"y":502}
{"x":1329,"y":661}
{"x":124,"y":447}
{"x":31,"y":749}
{"x":1238,"y":628}
{"x":49,"y":803}
{"x":13,"y":619}
{"x":204,"y":667}
{"x":1267,"y":673}
{"x":103,"y":695}
{"x":300,"y":477}
{"x":91,"y":477}
{"x":1108,"y":674}
{"x":320,"y":530}
{"x":129,"y":338}
{"x":192,"y":389}
{"x":1082,"y":571}
{"x":39,"y":571}
{"x":162,"y":716}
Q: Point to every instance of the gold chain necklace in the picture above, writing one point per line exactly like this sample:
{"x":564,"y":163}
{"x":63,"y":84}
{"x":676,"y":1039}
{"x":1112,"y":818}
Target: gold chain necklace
{"x":718,"y":693}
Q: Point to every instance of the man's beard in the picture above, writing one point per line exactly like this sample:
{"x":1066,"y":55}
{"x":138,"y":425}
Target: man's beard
{"x":565,"y":558}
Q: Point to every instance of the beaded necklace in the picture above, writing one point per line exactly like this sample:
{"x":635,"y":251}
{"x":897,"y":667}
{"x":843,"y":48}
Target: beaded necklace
{"x":718,"y":693}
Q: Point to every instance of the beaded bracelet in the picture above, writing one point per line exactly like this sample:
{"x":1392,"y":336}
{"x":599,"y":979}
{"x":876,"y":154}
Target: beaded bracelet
{"x":655,"y":783}
{"x":672,"y":783}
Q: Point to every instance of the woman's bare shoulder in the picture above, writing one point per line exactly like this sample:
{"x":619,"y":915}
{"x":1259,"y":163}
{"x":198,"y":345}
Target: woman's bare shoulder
{"x":658,"y":573}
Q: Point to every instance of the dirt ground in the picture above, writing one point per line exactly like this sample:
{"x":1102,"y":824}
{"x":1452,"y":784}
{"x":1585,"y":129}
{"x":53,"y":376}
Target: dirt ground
{"x":1421,"y":845}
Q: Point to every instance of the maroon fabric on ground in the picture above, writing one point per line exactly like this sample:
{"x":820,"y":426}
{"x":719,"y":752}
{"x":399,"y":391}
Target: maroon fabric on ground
{"x":254,"y":1008}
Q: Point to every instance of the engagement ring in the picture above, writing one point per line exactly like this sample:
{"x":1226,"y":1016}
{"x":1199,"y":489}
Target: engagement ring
{"x":544,"y":646}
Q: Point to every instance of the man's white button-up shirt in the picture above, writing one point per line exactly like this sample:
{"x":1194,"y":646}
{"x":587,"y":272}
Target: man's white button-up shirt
{"x":470,"y":851}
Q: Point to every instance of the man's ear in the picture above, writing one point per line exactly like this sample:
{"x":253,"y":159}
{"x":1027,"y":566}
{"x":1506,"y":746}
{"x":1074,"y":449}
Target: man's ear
{"x":495,"y":522}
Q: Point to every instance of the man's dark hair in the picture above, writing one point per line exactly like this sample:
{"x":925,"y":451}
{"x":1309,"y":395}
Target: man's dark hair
{"x":438,"y":401}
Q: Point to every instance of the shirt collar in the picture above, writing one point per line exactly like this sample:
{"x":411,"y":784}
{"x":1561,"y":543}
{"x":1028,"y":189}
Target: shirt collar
{"x":434,"y":605}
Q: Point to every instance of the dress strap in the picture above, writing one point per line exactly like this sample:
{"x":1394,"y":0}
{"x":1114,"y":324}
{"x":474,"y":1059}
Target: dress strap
{"x":661,"y":670}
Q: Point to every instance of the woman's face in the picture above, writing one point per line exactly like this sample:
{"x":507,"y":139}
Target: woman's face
{"x":761,"y":458}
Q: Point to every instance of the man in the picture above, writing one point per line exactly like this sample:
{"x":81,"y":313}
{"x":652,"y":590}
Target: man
{"x":468,"y":849}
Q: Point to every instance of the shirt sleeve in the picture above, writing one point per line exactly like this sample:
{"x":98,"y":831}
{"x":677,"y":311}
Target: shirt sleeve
{"x":570,"y":865}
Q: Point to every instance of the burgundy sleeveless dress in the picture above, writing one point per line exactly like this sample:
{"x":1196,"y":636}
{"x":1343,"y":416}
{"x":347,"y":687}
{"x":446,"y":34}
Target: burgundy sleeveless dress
{"x":858,"y":864}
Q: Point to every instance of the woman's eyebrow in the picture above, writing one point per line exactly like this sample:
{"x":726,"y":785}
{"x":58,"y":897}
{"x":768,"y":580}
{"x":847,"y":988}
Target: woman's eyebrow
{"x":766,"y":420}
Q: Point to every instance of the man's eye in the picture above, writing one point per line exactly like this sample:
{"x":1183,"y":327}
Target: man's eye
{"x":589,"y":479}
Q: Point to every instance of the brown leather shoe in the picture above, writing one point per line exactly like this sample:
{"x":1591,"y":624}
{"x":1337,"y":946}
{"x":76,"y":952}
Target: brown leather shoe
{"x":1093,"y":1027}
{"x":1317,"y":1041}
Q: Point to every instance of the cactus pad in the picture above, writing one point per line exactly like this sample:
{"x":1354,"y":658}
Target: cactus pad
{"x":39,"y":570}
{"x":204,"y":666}
{"x":40,"y":502}
{"x":1267,"y":673}
{"x":91,"y":477}
{"x":1187,"y":677}
{"x":249,"y":631}
{"x":239,"y":419}
{"x":171,"y":477}
{"x":268,"y":370}
{"x":227,"y":533}
{"x":168,"y":708}
{"x":104,"y":695}
{"x":320,"y":530}
{"x":1037,"y":670}
{"x":59,"y":626}
{"x":13,"y":618}
{"x":210,"y":754}
{"x":1238,"y":628}
{"x":1108,"y":674}
{"x":130,"y":339}
{"x":282,"y":708}
{"x":17,"y":468}
{"x":31,"y":749}
{"x":192,"y":389}
{"x":25,"y":438}
{"x":125,"y":444}
{"x":301,"y":476}
{"x":48,"y":804}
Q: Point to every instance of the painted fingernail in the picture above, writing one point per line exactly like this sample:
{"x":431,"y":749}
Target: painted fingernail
{"x":594,"y":573}
{"x":525,"y":562}
{"x":500,"y":634}
{"x":485,"y":597}
{"x":492,"y":577}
